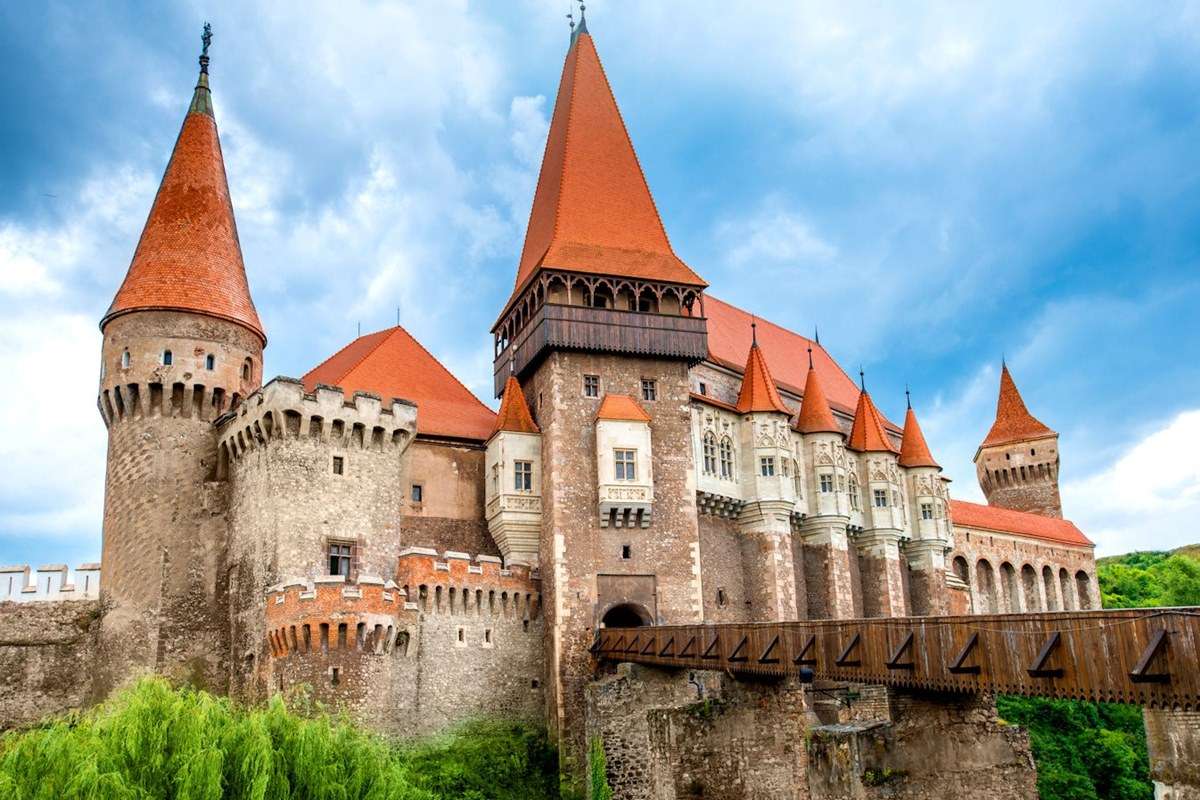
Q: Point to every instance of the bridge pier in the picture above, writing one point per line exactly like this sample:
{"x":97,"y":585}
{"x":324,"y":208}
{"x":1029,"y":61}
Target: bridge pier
{"x":1173,"y":739}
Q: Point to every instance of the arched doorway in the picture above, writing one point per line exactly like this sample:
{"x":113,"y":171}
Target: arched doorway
{"x":626,"y":615}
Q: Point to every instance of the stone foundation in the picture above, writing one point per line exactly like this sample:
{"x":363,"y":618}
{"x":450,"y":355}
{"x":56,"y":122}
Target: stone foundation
{"x":46,"y":655}
{"x":1173,"y":739}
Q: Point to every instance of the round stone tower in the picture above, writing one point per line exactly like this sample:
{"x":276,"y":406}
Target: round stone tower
{"x":182,"y":345}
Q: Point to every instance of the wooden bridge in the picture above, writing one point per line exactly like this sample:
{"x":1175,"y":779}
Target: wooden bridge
{"x":1149,"y":657}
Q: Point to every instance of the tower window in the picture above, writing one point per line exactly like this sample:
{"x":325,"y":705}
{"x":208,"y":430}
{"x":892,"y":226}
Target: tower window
{"x":853,"y":493}
{"x":726,"y":458}
{"x":626,"y":552}
{"x":246,"y":369}
{"x":339,"y":465}
{"x":623,"y":462}
{"x":340,"y":556}
{"x":926,"y":510}
{"x":1032,"y":452}
{"x":709,"y":447}
{"x":210,"y":362}
{"x":125,"y":360}
{"x":523,"y":476}
{"x":591,"y":385}
{"x":826,"y":483}
{"x":649,"y":390}
{"x":766,"y":466}
{"x":167,"y":358}
{"x":881,"y":498}
{"x":721,"y":598}
{"x":703,"y":387}
{"x":418,"y":494}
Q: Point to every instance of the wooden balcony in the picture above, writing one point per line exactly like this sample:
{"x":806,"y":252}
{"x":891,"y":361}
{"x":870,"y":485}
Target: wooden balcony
{"x":602,"y":330}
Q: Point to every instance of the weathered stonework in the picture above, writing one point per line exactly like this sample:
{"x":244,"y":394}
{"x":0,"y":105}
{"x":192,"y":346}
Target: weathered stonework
{"x":46,"y":649}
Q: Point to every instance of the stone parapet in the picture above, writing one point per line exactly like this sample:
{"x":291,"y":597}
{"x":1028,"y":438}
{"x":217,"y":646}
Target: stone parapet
{"x":327,"y":613}
{"x":453,"y":582}
{"x":18,"y":584}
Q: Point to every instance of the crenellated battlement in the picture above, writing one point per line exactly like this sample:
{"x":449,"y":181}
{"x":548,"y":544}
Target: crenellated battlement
{"x":327,"y":613}
{"x":456,"y":583}
{"x":152,"y":400}
{"x":282,"y":409}
{"x":50,"y":583}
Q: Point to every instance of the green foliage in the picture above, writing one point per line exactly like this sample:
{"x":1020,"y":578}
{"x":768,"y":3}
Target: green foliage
{"x":598,"y":771}
{"x":153,"y":741}
{"x":1148,"y":579}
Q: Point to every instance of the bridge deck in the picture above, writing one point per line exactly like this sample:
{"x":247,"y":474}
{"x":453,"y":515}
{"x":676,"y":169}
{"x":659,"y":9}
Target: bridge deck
{"x":1150,"y":657}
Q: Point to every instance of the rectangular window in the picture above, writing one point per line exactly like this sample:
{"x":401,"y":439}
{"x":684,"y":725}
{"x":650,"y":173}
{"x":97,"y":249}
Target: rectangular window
{"x":626,"y":469}
{"x":649,"y":390}
{"x":854,"y":495}
{"x":703,"y":387}
{"x":826,"y":483}
{"x":591,"y":385}
{"x":340,"y":554}
{"x":926,"y":510}
{"x":339,"y":465}
{"x":626,"y":551}
{"x":881,"y":498}
{"x":523,"y":476}
{"x":766,"y":465}
{"x":418,"y":493}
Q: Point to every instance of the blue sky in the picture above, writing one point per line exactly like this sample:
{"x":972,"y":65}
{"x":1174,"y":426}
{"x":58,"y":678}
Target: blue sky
{"x":933,"y":184}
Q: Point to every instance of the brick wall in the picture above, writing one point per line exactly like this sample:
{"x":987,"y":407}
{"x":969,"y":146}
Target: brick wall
{"x":1010,"y":574}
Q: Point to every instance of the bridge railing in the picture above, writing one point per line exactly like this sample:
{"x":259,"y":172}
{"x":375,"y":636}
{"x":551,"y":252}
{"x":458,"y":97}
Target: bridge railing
{"x":1149,"y":657}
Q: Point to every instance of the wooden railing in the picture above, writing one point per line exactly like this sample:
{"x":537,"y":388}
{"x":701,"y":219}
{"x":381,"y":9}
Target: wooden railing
{"x":1149,"y":657}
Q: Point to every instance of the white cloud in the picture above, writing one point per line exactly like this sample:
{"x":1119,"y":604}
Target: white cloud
{"x":776,"y":237}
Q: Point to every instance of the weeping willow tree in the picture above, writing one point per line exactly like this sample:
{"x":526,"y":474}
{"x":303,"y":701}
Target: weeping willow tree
{"x":155,"y":741}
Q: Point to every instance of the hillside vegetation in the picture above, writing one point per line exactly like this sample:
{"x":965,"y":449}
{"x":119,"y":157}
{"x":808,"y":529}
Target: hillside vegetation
{"x":1097,"y":751}
{"x":154,"y":741}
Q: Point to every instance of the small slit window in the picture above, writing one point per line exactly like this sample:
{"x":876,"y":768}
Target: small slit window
{"x":418,"y":493}
{"x":247,"y":368}
{"x":210,"y":362}
{"x":167,"y":358}
{"x":339,"y":465}
{"x":626,"y":551}
{"x":125,"y":360}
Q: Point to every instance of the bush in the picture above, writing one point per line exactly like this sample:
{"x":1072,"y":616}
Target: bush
{"x":153,"y":741}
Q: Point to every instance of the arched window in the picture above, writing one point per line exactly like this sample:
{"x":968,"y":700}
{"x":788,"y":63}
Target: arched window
{"x":167,"y":358}
{"x":961,"y":570}
{"x":247,"y":369}
{"x":726,"y":458}
{"x":210,"y":362}
{"x":710,"y":454}
{"x":853,"y":492}
{"x":125,"y":360}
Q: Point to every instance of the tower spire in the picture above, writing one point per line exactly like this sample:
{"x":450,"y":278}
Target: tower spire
{"x":1013,"y":422}
{"x":914,"y":452}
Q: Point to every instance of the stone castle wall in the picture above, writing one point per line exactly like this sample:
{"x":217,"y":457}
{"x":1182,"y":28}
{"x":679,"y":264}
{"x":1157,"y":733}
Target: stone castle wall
{"x":1009,"y":574}
{"x":47,"y":651}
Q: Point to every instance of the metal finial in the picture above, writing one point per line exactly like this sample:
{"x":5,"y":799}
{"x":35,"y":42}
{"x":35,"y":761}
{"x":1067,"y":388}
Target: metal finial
{"x":582,"y":18}
{"x":810,"y":366}
{"x":397,"y":316}
{"x":862,"y":378}
{"x":816,"y":335}
{"x":754,"y":332}
{"x":360,"y":330}
{"x":205,"y":41}
{"x":907,"y":396}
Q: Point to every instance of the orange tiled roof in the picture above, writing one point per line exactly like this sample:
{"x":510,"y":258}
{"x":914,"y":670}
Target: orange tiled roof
{"x":593,"y":211}
{"x":514,"y":412}
{"x":1022,"y":523}
{"x":1013,"y":422}
{"x":913,"y":450}
{"x":188,"y":257}
{"x":758,"y":392}
{"x":621,"y":407}
{"x":868,"y":435}
{"x":785,"y":352}
{"x":815,"y":415}
{"x":391,"y":363}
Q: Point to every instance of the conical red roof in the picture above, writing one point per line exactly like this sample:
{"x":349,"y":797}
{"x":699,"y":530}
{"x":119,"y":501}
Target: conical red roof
{"x":815,"y":415}
{"x":758,"y":391}
{"x":622,"y":408}
{"x":913,"y":450}
{"x":1013,"y":422}
{"x":188,"y":257}
{"x":514,"y":411}
{"x":867,"y":435}
{"x":593,"y":211}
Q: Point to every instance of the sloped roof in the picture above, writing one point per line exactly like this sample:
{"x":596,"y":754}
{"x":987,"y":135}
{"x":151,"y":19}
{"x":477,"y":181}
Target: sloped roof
{"x":391,"y":363}
{"x":514,"y":411}
{"x":868,"y":435}
{"x":758,"y":392}
{"x":1022,"y":523}
{"x":913,"y":450}
{"x":621,"y":407}
{"x":188,"y":257}
{"x":815,"y":415}
{"x":593,"y":211}
{"x":1013,"y":422}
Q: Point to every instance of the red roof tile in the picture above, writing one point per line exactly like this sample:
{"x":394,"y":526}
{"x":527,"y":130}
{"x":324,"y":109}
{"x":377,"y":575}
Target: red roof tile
{"x":593,"y":211}
{"x":913,"y":450}
{"x":621,"y":407}
{"x":868,"y":435}
{"x":1022,"y":523}
{"x":758,"y":392}
{"x":514,"y":412}
{"x":188,"y":257}
{"x":1013,"y":422}
{"x":815,"y":415}
{"x":391,"y":363}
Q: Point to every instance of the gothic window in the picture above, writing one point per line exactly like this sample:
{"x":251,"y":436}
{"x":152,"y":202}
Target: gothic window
{"x":649,"y":390}
{"x":881,"y":498}
{"x":726,"y":458}
{"x":125,"y":360}
{"x":853,"y":493}
{"x":167,"y":358}
{"x":591,"y":385}
{"x":710,"y":454}
{"x":623,"y":461}
{"x":785,"y":464}
{"x":826,"y":483}
{"x":797,"y":484}
{"x":340,"y":556}
{"x":766,"y":466}
{"x":210,"y":362}
{"x":926,"y":510}
{"x":523,"y":476}
{"x":841,"y":483}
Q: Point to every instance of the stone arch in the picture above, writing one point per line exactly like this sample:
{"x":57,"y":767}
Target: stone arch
{"x":985,"y":587}
{"x":961,"y":569}
{"x":1064,"y":583}
{"x":1029,"y":589}
{"x":1048,"y":585}
{"x":1083,"y":588}
{"x":626,"y":615}
{"x":1012,"y":594}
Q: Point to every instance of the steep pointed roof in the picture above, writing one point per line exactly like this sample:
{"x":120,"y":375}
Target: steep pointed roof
{"x":758,"y":392}
{"x":621,"y":407}
{"x":391,"y":363}
{"x":514,"y":411}
{"x":913,"y":450}
{"x":593,"y":211}
{"x":1013,"y":422}
{"x":815,"y":415}
{"x":189,"y":257}
{"x":867,"y":435}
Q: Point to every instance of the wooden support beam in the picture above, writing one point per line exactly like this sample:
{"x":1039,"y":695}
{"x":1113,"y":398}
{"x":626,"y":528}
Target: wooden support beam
{"x":1039,"y":669}
{"x":1141,"y":672}
{"x":894,"y":661}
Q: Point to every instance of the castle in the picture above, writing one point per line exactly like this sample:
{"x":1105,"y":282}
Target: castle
{"x":374,"y":531}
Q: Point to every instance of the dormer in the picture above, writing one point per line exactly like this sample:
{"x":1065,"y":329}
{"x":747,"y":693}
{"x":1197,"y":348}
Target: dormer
{"x":623,"y":463}
{"x":513,"y":483}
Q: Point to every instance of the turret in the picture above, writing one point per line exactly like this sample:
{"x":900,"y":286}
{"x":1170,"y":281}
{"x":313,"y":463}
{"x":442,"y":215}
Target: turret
{"x":1017,"y":462}
{"x":182,"y":344}
{"x":513,"y":492}
{"x":928,"y":512}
